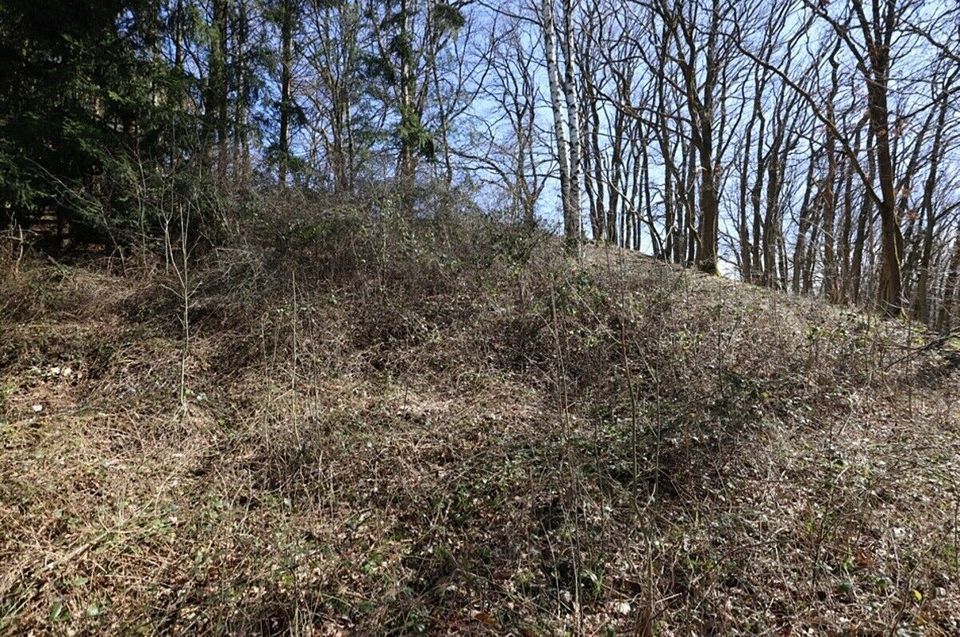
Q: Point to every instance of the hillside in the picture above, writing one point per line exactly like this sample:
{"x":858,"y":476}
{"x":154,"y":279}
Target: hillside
{"x":463,"y":432}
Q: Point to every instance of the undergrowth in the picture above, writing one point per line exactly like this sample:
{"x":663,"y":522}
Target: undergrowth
{"x":384,"y":425}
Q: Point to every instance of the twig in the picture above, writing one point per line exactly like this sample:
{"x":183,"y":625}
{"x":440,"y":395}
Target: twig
{"x":77,"y":552}
{"x":936,"y":343}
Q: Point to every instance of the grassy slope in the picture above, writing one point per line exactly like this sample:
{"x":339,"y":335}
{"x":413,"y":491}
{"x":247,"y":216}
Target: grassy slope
{"x":469,"y":447}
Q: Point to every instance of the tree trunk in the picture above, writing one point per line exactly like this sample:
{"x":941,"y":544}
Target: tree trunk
{"x":573,"y":232}
{"x":286,"y":78}
{"x":571,"y":216}
{"x":951,"y":288}
{"x":921,"y":304}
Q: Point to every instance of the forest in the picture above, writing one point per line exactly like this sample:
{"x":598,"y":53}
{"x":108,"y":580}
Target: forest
{"x":534,"y":317}
{"x":803,"y":146}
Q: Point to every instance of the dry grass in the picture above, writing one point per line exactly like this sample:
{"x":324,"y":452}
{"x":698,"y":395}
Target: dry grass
{"x":463,"y":433}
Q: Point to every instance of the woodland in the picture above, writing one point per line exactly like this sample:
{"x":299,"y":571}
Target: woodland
{"x":535,"y":317}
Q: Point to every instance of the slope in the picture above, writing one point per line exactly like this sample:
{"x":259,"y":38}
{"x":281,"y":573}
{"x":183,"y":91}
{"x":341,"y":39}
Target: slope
{"x":455,"y":430}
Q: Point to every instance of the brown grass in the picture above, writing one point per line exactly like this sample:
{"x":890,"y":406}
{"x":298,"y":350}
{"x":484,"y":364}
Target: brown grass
{"x":453,"y":430}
